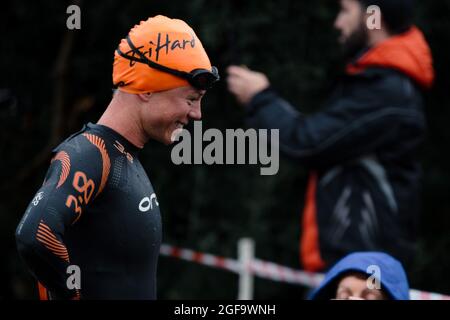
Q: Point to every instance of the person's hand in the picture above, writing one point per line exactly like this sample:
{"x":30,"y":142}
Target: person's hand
{"x":245,"y":83}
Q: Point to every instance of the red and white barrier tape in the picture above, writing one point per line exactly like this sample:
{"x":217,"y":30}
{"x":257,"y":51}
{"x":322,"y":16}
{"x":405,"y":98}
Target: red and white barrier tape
{"x":201,"y":258}
{"x":268,"y":270}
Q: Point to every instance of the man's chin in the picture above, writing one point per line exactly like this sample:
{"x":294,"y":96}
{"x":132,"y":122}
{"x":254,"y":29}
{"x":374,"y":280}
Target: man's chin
{"x":175,"y":135}
{"x":353,"y":44}
{"x":168,"y":138}
{"x":166,"y":141}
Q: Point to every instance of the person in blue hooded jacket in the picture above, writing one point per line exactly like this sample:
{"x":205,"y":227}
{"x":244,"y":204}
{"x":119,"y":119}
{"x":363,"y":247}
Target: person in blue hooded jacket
{"x":364,"y":276}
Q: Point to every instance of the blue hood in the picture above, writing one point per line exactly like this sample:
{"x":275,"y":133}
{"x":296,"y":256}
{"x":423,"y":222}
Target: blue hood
{"x":393,"y":277}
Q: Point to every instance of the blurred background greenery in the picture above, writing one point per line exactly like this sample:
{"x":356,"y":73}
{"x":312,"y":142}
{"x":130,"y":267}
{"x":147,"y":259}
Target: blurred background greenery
{"x":53,"y":80}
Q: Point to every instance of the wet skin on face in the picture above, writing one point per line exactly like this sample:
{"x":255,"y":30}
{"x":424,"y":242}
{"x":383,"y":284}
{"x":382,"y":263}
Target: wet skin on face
{"x":168,"y":111}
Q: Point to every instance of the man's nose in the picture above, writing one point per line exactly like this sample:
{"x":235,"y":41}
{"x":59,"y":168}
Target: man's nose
{"x":196,"y":112}
{"x":336,"y":24}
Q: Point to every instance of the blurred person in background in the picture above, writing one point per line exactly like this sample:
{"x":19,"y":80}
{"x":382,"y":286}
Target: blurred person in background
{"x":363,"y":192}
{"x":364,"y":276}
{"x":97,"y":209}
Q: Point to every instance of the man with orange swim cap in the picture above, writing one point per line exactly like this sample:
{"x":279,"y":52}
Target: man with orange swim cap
{"x":162,"y":54}
{"x":93,"y":229}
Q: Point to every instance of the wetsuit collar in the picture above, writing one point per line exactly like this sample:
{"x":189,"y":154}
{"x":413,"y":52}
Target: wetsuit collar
{"x":114,"y":135}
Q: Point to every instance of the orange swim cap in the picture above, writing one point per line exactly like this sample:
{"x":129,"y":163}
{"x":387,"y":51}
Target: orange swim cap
{"x":168,"y":42}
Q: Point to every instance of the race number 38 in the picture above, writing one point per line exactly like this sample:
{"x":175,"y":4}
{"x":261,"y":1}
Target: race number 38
{"x":85,"y":187}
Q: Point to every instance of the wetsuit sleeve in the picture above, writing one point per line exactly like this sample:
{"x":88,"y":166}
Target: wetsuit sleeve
{"x":76,"y":176}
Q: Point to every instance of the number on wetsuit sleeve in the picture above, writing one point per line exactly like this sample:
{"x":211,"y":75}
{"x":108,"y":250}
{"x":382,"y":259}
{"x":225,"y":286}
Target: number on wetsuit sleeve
{"x":86,"y":188}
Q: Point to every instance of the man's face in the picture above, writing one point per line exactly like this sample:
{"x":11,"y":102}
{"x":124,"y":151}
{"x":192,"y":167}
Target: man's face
{"x":167,"y":112}
{"x":351,"y":23}
{"x":354,"y":287}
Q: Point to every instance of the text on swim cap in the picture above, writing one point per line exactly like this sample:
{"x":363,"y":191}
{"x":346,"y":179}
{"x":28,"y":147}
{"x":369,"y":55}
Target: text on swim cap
{"x":165,"y":44}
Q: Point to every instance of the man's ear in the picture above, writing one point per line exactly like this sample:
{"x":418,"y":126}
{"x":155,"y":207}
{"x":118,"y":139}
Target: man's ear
{"x":145,"y":96}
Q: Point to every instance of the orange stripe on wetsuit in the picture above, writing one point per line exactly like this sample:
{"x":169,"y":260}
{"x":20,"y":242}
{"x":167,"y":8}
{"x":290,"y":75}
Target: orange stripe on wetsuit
{"x":65,"y":163}
{"x":48,"y":239}
{"x":100,"y":144}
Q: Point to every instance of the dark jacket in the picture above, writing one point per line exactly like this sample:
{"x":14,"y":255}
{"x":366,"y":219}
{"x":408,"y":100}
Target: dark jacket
{"x":389,"y":273}
{"x":364,"y":187}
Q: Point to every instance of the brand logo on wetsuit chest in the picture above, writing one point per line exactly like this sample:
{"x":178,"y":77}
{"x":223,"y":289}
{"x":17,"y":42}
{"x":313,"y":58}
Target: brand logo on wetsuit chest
{"x":147,"y":203}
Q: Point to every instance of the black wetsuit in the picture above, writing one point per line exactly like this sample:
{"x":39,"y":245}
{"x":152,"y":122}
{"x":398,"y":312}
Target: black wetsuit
{"x":96,"y":210}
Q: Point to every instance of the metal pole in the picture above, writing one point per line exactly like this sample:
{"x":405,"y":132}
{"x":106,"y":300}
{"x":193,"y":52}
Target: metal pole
{"x":246,"y":253}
